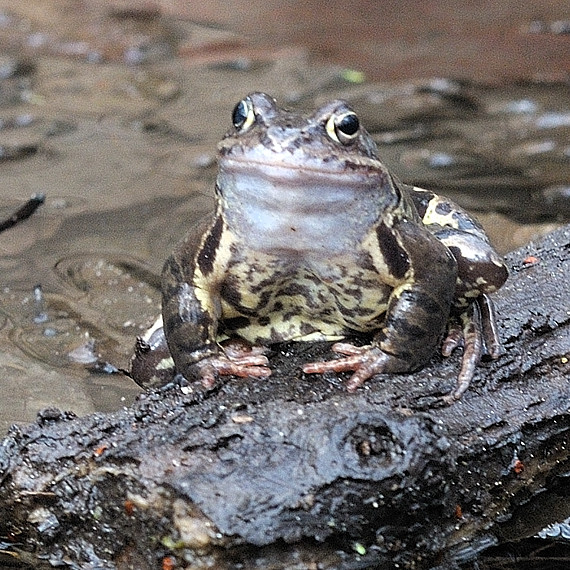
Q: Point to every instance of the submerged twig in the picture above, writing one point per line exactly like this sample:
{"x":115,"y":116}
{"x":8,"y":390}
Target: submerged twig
{"x":23,"y":213}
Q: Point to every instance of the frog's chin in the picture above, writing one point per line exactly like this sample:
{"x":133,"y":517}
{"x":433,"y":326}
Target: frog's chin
{"x":279,"y":208}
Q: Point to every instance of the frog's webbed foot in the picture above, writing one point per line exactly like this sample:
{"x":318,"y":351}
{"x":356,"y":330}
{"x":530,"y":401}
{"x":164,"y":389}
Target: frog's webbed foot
{"x":476,"y":330}
{"x":238,"y":359}
{"x":365,"y":361}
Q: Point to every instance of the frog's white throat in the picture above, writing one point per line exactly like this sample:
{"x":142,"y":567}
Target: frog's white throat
{"x":279,"y":209}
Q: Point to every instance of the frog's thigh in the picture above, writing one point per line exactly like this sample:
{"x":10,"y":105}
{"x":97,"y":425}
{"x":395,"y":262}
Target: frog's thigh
{"x":480,"y":269}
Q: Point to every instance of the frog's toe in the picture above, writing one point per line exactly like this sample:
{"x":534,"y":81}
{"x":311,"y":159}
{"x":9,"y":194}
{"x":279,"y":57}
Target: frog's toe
{"x":453,"y":340}
{"x":244,"y":366}
{"x":472,"y":338}
{"x":338,"y":365}
{"x":489,"y":326}
{"x":253,"y":365}
{"x":349,"y":349}
{"x":364,"y":361}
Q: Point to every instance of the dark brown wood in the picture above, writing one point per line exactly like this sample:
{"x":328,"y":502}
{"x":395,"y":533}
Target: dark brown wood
{"x":293,"y":470}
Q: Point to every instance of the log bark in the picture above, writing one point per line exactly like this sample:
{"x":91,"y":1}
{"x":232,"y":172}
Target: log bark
{"x":294,"y":472}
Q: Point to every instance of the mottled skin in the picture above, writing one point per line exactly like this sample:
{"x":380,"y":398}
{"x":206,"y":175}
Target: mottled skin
{"x":313,"y":238}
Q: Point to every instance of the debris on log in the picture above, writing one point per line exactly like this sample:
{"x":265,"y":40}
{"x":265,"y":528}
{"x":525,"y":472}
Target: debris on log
{"x":292,"y":471}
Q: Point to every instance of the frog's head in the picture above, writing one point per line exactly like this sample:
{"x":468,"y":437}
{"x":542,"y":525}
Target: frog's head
{"x":329,"y":139}
{"x":307,"y":176}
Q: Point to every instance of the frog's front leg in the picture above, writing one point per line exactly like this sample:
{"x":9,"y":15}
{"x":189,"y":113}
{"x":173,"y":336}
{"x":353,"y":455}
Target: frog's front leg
{"x":191,"y":308}
{"x":152,"y":364}
{"x":417,"y":312}
{"x":415,"y":322}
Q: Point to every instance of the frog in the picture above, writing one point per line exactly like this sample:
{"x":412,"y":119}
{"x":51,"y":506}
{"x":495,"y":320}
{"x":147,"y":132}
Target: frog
{"x":314,"y":239}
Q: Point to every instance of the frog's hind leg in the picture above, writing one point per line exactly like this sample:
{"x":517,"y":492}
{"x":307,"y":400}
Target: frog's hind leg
{"x":489,"y":326}
{"x":469,"y":333}
{"x":476,"y":331}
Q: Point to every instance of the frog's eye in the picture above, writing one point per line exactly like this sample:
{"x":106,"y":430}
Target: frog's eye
{"x":243,"y":116}
{"x":343,"y":128}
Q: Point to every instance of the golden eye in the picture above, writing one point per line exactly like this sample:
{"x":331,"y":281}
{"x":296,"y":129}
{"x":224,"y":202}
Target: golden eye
{"x":243,"y":116}
{"x":343,"y":128}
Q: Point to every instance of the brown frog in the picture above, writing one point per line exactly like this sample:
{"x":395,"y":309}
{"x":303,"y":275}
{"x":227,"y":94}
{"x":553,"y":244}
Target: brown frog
{"x":314,"y":239}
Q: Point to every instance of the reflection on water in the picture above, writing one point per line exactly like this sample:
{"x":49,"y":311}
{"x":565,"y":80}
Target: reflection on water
{"x":57,"y":339}
{"x":102,"y":302}
{"x":116,"y":122}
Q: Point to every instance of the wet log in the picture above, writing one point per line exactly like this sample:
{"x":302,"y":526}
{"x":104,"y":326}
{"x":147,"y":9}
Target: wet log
{"x":294,"y":472}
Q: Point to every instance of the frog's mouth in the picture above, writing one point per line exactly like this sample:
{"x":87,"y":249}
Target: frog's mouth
{"x":299,"y":209}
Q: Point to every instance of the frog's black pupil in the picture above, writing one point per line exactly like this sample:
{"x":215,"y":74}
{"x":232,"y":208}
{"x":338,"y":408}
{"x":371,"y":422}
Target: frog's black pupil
{"x":348,"y":125}
{"x":239,"y":114}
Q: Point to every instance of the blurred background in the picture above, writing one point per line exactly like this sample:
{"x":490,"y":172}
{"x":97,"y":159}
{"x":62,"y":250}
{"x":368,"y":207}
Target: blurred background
{"x":404,"y":39}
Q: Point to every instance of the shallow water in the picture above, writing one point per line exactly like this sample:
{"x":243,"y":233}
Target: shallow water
{"x":117,"y":120}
